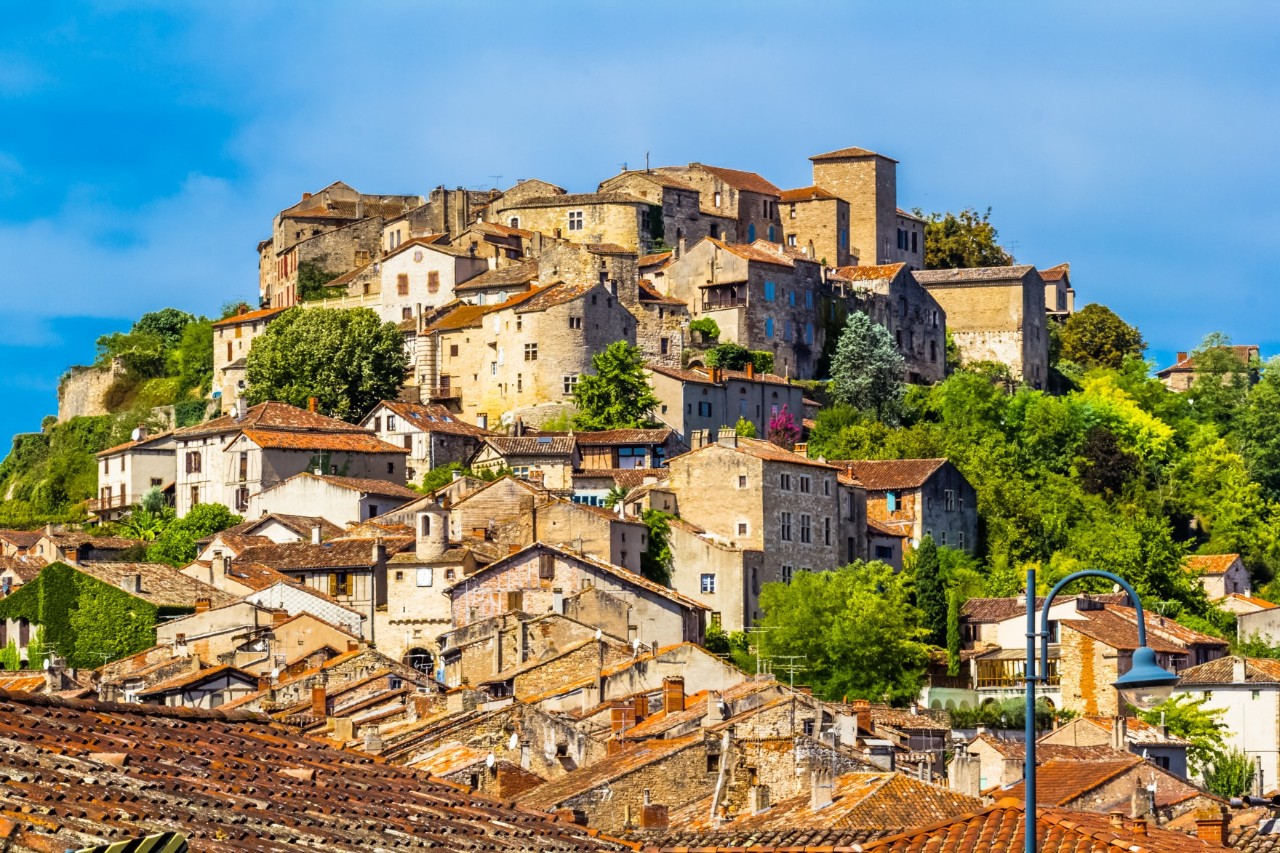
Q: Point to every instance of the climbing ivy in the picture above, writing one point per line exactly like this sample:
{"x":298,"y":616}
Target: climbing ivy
{"x":81,"y":618}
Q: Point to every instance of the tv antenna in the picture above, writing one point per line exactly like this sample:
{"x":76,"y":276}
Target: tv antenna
{"x":792,"y":665}
{"x":497,"y":179}
{"x":760,"y":629}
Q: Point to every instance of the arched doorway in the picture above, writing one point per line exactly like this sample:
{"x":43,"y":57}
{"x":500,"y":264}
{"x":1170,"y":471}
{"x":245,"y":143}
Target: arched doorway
{"x":420,"y":659}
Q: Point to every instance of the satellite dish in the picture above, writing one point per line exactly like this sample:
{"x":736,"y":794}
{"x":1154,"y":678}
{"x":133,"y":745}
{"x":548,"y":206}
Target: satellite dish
{"x":489,"y":760}
{"x":599,"y":633}
{"x":514,"y":742}
{"x":46,"y":663}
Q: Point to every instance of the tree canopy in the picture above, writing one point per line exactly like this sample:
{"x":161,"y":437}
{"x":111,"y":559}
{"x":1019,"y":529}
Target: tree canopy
{"x":618,"y":394}
{"x":966,"y":239}
{"x":348,"y":360}
{"x":867,"y":369}
{"x":176,"y":544}
{"x":1096,"y":337}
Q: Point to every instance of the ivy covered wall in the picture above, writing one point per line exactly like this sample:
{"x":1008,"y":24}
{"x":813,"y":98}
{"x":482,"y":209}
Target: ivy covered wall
{"x":81,"y":618}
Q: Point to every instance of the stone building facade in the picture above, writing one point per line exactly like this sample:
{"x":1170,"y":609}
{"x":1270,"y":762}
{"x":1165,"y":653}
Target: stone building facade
{"x":683,"y":221}
{"x":746,"y":198}
{"x":815,"y":221}
{"x":996,"y":314}
{"x":589,"y":218}
{"x":432,"y":435}
{"x":880,"y":232}
{"x":233,"y":337}
{"x":419,"y":277}
{"x":890,"y":295}
{"x":919,"y":497}
{"x":698,"y":403}
{"x":128,"y":471}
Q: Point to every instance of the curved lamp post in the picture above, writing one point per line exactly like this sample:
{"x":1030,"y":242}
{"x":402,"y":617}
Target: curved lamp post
{"x":1144,"y":686}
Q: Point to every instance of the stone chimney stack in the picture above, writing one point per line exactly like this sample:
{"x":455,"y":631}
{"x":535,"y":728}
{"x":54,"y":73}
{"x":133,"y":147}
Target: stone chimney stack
{"x":1142,"y":803}
{"x":673,"y":694}
{"x":316,"y":537}
{"x":820,"y":788}
{"x":432,"y":529}
{"x":1119,"y":734}
{"x":1238,"y":673}
{"x":862,"y":712}
{"x":319,"y":700}
{"x":1212,"y":826}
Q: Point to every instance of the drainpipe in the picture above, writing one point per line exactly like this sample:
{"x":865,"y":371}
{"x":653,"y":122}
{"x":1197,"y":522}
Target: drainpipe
{"x":724,"y":762}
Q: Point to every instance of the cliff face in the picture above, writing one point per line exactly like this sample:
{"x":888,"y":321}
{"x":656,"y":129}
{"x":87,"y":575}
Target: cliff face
{"x":81,"y":392}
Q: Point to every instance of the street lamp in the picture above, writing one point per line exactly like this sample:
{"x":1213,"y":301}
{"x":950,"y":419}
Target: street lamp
{"x":1144,"y":686}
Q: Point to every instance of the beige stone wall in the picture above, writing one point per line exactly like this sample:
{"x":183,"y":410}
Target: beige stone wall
{"x":869,"y":185}
{"x":674,"y":781}
{"x":81,"y":390}
{"x":603,"y":222}
{"x":1087,"y":669}
{"x":819,"y":227}
{"x":417,"y":264}
{"x":230,"y":344}
{"x":1003,"y":322}
{"x":693,"y":556}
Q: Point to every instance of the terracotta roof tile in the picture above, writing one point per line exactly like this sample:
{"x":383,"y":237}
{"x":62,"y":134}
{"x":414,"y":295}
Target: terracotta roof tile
{"x":21,"y":538}
{"x":197,"y":676}
{"x":351,"y":442}
{"x":545,"y":445}
{"x":846,"y":153}
{"x":760,"y":449}
{"x":1117,"y":632}
{"x":870,"y":272}
{"x":738,"y":179}
{"x":883,"y":474}
{"x":623,"y":763}
{"x":971,"y":275}
{"x":249,"y":317}
{"x":649,"y":294}
{"x":575,"y":199}
{"x":1062,"y":781}
{"x":654,"y":260}
{"x":25,"y":567}
{"x":269,"y":416}
{"x":759,"y":251}
{"x":357,"y":484}
{"x":162,"y":585}
{"x":1222,"y":671}
{"x":1243,"y":352}
{"x":524,"y":273}
{"x":701,"y":376}
{"x":1057,"y":273}
{"x":299,"y":524}
{"x":336,"y":553}
{"x":1210,"y":564}
{"x":807,"y":194}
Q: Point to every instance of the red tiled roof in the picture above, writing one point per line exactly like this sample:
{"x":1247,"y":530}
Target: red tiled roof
{"x":654,"y":260}
{"x":162,"y":585}
{"x":299,"y":524}
{"x":1222,"y":671}
{"x":336,"y":553}
{"x":1260,"y":603}
{"x":870,"y":272}
{"x":807,"y":194}
{"x":196,"y":676}
{"x":1061,"y":782}
{"x":701,"y":376}
{"x":1057,"y":273}
{"x":237,"y":781}
{"x":758,"y":251}
{"x":523,"y":273}
{"x":649,"y":294}
{"x":21,"y":538}
{"x":624,"y":436}
{"x":249,"y":317}
{"x":736,"y":178}
{"x":370,"y":486}
{"x":429,"y":242}
{"x":880,"y":529}
{"x":882,"y":474}
{"x":350,"y":442}
{"x":432,"y":418}
{"x":269,"y":416}
{"x":554,"y":294}
{"x":128,"y":444}
{"x":544,"y":445}
{"x":25,"y":567}
{"x":1242,"y":352}
{"x":760,"y":449}
{"x":616,"y":766}
{"x":1209,"y":564}
{"x":846,"y":153}
{"x":1113,"y":630}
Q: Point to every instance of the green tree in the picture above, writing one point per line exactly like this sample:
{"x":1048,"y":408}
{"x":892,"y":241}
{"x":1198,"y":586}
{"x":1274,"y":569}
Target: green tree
{"x":729,"y":356}
{"x":168,"y":324}
{"x":855,"y":629}
{"x":867,"y":369}
{"x":348,"y":359}
{"x":145,"y":526}
{"x":967,"y":239}
{"x":143,"y":354}
{"x":312,"y":278}
{"x":1258,"y":430}
{"x":176,"y":545}
{"x":953,"y":631}
{"x":1222,"y":380}
{"x":931,"y":591}
{"x":191,"y":360}
{"x":615,"y":496}
{"x":618,"y":394}
{"x":744,"y":428}
{"x":655,"y":560}
{"x":707,"y":327}
{"x":1188,"y":719}
{"x":1096,"y":337}
{"x":1229,"y":773}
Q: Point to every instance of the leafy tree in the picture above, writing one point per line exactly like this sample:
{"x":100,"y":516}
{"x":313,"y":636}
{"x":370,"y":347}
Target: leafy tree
{"x":1009,"y":714}
{"x":1222,"y":381}
{"x":347,"y":359}
{"x":1188,"y":719}
{"x":729,"y":356}
{"x":707,"y":327}
{"x":855,"y":629}
{"x":615,"y":496}
{"x":1103,"y":466}
{"x":191,"y":360}
{"x":168,"y":324}
{"x":952,"y":351}
{"x":1258,"y":430}
{"x":763,"y":360}
{"x":145,"y":526}
{"x":968,"y":239}
{"x":1255,"y":646}
{"x":783,"y":430}
{"x":617,"y":395}
{"x":744,"y":428}
{"x":1230,"y":773}
{"x":655,"y":560}
{"x":867,"y":369}
{"x":143,"y":354}
{"x":715,"y":640}
{"x":953,"y":632}
{"x":232,"y":308}
{"x":177,"y":544}
{"x":312,"y":278}
{"x":152,"y":501}
{"x":931,"y":591}
{"x":1096,"y":337}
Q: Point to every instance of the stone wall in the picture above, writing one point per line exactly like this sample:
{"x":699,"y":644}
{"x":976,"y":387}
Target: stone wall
{"x":82,"y":388}
{"x":820,"y":228}
{"x":1087,"y":669}
{"x":869,"y":185}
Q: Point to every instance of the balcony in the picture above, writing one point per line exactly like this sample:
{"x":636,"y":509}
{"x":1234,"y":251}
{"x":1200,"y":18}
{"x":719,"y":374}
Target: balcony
{"x":723,"y":303}
{"x":113,"y":502}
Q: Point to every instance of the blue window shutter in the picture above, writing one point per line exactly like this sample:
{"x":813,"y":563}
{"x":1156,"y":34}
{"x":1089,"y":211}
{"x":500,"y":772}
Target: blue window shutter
{"x":751,"y":233}
{"x":768,"y":327}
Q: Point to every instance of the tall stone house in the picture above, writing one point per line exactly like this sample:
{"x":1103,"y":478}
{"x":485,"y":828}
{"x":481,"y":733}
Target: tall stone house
{"x":745,"y":197}
{"x":1059,"y":295}
{"x":919,"y":497}
{"x":698,"y":403}
{"x":675,"y":206}
{"x":432,"y":435}
{"x":761,"y":297}
{"x":996,"y":314}
{"x":128,"y":471}
{"x":890,"y":295}
{"x":233,"y":337}
{"x":230,"y":458}
{"x":338,"y":229}
{"x":815,"y":221}
{"x":879,"y":231}
{"x":1247,"y":692}
{"x":418,"y":277}
{"x":589,"y":218}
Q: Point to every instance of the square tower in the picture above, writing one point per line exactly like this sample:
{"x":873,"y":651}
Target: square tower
{"x":868,"y":182}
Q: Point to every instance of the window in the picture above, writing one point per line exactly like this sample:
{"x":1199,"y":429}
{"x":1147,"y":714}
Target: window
{"x":942,"y":538}
{"x":768,"y":327}
{"x":530,"y":352}
{"x":933,"y":351}
{"x":575,"y":322}
{"x":713,"y":762}
{"x":791,"y":298}
{"x":391,"y":423}
{"x":806,"y":534}
{"x":193,"y":461}
{"x":884,"y":552}
{"x":742,"y":481}
{"x":402,"y":284}
{"x":960,"y":539}
{"x":791,"y":240}
{"x":519,"y":383}
{"x":377,"y":424}
{"x":242,"y":498}
{"x":340,"y":584}
{"x":915,"y":245}
{"x":806,"y":484}
{"x":704,"y":409}
{"x":949,"y":499}
{"x":664,"y":345}
{"x":575,"y":220}
{"x":546,"y":566}
{"x":826,"y":531}
{"x":406,"y":313}
{"x":425,"y":576}
{"x":719,"y":198}
{"x":891,"y":501}
{"x":784,"y":482}
{"x":715,"y":620}
{"x":770,"y":291}
{"x":570,"y":383}
{"x":784,"y":528}
{"x":433,"y":281}
{"x":742,"y":528}
{"x":453,"y":350}
{"x":708,"y":584}
{"x":244,"y":466}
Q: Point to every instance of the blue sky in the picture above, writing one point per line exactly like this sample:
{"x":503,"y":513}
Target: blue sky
{"x":145,"y":147}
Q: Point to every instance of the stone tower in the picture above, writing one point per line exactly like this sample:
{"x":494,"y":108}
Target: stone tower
{"x":869,"y":183}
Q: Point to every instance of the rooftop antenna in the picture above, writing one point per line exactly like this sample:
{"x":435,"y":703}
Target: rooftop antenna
{"x":497,"y":179}
{"x":623,"y":165}
{"x":758,"y":629}
{"x":646,"y":161}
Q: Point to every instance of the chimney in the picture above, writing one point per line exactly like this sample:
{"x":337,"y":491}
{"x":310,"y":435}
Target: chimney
{"x":264,"y":683}
{"x":202,"y":604}
{"x":306,"y":196}
{"x":311,"y":404}
{"x":1142,"y":803}
{"x":319,"y":701}
{"x":751,"y":370}
{"x":315,"y":534}
{"x":653,"y":816}
{"x":196,"y":663}
{"x":862,"y":711}
{"x":571,"y":816}
{"x":279,"y":617}
{"x":641,"y":703}
{"x":1119,"y":734}
{"x":1117,"y":820}
{"x":133,"y":583}
{"x":1211,"y":826}
{"x":757,"y":798}
{"x":220,"y":563}
{"x":378,"y":556}
{"x":372,"y":742}
{"x":622,"y":716}
{"x":1140,"y":827}
{"x":820,"y":787}
{"x":1238,"y":674}
{"x":717,"y":709}
{"x":1182,"y":356}
{"x":344,"y":729}
{"x":673,"y":694}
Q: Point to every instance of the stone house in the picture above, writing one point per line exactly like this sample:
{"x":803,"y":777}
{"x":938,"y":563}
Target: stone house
{"x":495,"y":286}
{"x":880,"y":231}
{"x":675,"y":206}
{"x":56,"y":545}
{"x":884,"y":543}
{"x":229,"y":458}
{"x":1153,"y":743}
{"x":594,"y":218}
{"x":1247,"y":690}
{"x":995,"y":314}
{"x":698,"y":402}
{"x":662,"y":324}
{"x":502,"y":246}
{"x":816,"y":222}
{"x":521,"y":358}
{"x":760,"y":295}
{"x":419,"y":276}
{"x":919,"y":497}
{"x":477,"y":769}
{"x":605,"y":534}
{"x":18,"y":543}
{"x":1181,"y":375}
{"x":1243,"y":605}
{"x":336,"y":208}
{"x":758,"y":497}
{"x":432,"y":435}
{"x":537,"y":579}
{"x":233,"y":337}
{"x":546,"y":460}
{"x":449,"y":212}
{"x":128,"y":471}
{"x":1059,"y":296}
{"x":696,"y":552}
{"x":15,"y":571}
{"x":1220,"y":574}
{"x":744,"y":197}
{"x":206,"y":688}
{"x":890,"y":295}
{"x":252,"y":637}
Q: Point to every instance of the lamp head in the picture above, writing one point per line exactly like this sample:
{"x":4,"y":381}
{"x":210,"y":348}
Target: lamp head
{"x":1146,"y":684}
